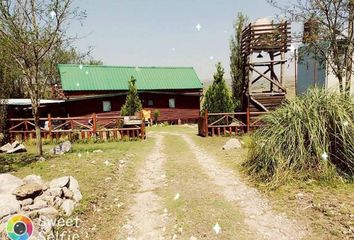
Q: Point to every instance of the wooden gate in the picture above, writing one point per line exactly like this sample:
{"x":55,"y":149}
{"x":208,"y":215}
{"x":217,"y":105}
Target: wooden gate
{"x":228,"y":124}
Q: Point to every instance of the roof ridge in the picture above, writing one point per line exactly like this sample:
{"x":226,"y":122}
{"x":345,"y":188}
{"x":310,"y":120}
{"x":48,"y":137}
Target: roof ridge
{"x":118,"y":66}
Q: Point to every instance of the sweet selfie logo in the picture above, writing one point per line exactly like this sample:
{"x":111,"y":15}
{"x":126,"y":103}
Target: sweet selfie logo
{"x":19,"y":227}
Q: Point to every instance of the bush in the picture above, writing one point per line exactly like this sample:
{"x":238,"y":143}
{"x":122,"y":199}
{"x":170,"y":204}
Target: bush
{"x":218,"y":97}
{"x":312,"y":136}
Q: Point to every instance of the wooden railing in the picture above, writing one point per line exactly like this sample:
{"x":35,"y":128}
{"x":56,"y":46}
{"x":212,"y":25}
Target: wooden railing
{"x":228,"y":124}
{"x":79,"y":128}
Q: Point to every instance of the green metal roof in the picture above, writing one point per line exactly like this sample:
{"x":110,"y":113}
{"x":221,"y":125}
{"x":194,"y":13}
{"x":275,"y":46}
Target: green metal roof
{"x":94,"y":77}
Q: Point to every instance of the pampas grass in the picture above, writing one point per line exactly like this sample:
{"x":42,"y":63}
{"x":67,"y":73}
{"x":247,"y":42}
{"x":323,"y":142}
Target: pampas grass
{"x":310,"y":137}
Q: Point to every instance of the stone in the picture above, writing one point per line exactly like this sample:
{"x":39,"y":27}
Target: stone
{"x":41,"y":159}
{"x":68,"y":207}
{"x":59,"y":182}
{"x":39,"y":204}
{"x":26,"y":202}
{"x":58,"y":202}
{"x":8,"y":183}
{"x":33,"y":179}
{"x":15,"y":144}
{"x":68,"y":193}
{"x":28,"y":190}
{"x":98,"y":151}
{"x":62,"y":148}
{"x":8,"y":205}
{"x":49,"y":212}
{"x":55,"y":192}
{"x":19,"y":149}
{"x":232,"y":144}
{"x":6,"y":147}
{"x":75,"y":188}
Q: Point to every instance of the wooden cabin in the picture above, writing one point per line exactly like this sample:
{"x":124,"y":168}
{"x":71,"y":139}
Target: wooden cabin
{"x":174,"y":91}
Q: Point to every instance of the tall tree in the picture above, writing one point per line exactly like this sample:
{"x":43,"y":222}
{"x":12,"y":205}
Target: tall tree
{"x":132,"y":103}
{"x":236,"y":61}
{"x":34,"y":31}
{"x":218,"y":97}
{"x":333,"y":42}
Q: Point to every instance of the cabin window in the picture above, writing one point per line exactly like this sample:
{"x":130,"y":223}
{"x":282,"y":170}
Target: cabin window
{"x":172,"y":103}
{"x":150,"y":102}
{"x":107,"y":106}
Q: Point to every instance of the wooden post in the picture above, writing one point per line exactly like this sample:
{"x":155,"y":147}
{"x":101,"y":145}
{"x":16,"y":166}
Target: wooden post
{"x":142,"y":127}
{"x":50,"y":127}
{"x":94,"y":124}
{"x":206,"y":123}
{"x":248,"y":119}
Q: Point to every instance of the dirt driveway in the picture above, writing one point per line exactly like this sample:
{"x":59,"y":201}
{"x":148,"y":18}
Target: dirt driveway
{"x":185,"y":193}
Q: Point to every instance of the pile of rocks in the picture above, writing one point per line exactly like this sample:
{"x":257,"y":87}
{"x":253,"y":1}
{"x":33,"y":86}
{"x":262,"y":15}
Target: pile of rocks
{"x":37,"y":199}
{"x":15,"y":147}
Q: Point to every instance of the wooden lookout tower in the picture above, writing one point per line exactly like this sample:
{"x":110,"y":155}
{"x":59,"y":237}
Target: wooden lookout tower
{"x":264,"y":46}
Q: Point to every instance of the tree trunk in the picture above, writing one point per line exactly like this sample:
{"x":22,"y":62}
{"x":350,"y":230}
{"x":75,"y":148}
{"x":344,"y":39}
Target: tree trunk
{"x":350,"y":50}
{"x":38,"y":131}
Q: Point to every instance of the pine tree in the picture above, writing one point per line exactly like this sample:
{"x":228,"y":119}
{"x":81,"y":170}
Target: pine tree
{"x":236,"y":62}
{"x":132,"y":103}
{"x":218,"y":97}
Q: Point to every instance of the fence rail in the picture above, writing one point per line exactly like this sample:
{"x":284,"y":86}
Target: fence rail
{"x":79,"y":128}
{"x":217,"y":124}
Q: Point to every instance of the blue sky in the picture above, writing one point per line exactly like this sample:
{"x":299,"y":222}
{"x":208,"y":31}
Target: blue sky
{"x":163,"y":32}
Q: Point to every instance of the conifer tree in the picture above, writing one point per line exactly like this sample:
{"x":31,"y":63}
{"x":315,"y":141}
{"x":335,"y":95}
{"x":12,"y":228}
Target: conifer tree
{"x":132,"y":102}
{"x":218,"y":97}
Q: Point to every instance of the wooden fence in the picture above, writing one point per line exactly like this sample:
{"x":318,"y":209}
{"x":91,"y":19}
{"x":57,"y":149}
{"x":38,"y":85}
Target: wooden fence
{"x":228,"y":124}
{"x":79,"y":128}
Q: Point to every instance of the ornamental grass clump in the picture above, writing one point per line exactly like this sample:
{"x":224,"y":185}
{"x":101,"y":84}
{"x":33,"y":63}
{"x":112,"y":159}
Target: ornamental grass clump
{"x":310,"y":137}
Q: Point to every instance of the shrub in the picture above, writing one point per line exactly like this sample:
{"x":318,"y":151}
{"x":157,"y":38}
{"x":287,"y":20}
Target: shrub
{"x":312,"y":136}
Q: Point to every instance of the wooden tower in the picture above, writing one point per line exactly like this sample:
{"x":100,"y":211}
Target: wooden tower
{"x":263,"y":50}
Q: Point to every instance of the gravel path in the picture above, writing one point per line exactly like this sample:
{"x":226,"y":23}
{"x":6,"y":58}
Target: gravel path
{"x":147,"y":220}
{"x":257,"y":210}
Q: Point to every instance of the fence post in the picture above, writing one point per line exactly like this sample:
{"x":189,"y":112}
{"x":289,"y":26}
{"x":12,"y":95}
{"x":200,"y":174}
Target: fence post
{"x":142,"y":127}
{"x":50,"y":126}
{"x":248,"y":119}
{"x":94,"y":124}
{"x":206,"y":123}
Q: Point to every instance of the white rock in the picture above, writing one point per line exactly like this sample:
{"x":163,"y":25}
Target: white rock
{"x":8,"y":205}
{"x":75,"y":188}
{"x":6,"y":147}
{"x":98,"y":151}
{"x":232,"y":144}
{"x":26,"y":202}
{"x":18,"y":149}
{"x":49,"y":212}
{"x":33,"y":179}
{"x":68,"y":207}
{"x":59,"y":182}
{"x":68,"y":193}
{"x":28,"y":190}
{"x":39,"y":204}
{"x":8,"y":183}
{"x":56,"y":192}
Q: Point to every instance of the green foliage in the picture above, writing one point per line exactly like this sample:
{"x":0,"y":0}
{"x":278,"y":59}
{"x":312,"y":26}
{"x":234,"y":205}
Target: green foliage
{"x":236,"y":62}
{"x":299,"y":136}
{"x":132,"y":103}
{"x":157,"y":114}
{"x":218,"y":97}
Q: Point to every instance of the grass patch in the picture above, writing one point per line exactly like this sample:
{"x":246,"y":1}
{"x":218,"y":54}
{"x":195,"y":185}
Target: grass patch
{"x":106,"y":189}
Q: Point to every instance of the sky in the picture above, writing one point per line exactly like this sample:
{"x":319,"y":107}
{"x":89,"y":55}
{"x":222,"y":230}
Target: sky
{"x":164,"y":32}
